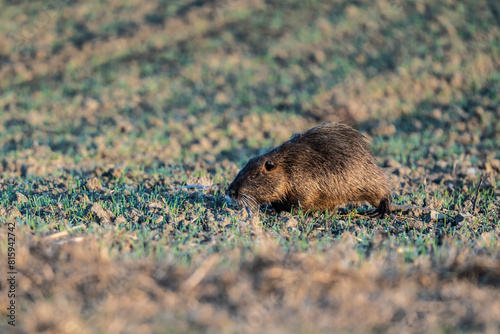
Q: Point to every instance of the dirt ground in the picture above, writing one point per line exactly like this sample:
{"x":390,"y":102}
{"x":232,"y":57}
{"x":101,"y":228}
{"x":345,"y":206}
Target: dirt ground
{"x":122,"y":124}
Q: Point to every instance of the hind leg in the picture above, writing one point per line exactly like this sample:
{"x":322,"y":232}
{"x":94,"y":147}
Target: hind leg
{"x":383,"y":208}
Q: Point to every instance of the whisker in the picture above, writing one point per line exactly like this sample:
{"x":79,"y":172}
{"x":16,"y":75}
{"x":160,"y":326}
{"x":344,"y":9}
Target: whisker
{"x":247,"y":206}
{"x":243,"y":198}
{"x":251,"y":200}
{"x":254,"y":201}
{"x":241,"y":202}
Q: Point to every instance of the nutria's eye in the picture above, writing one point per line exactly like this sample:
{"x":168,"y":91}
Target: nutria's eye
{"x":269,"y":166}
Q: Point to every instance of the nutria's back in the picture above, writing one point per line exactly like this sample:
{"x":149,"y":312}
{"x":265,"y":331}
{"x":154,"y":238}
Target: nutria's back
{"x":319,"y":169}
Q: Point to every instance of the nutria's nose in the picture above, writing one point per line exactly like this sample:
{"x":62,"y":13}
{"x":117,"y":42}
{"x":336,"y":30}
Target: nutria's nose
{"x":231,"y":193}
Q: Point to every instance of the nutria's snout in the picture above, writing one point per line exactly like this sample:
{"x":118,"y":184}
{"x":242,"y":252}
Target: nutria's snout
{"x":235,"y":196}
{"x":231,"y":192}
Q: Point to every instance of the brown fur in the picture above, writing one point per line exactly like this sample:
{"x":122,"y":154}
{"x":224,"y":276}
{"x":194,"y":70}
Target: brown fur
{"x":322,"y":168}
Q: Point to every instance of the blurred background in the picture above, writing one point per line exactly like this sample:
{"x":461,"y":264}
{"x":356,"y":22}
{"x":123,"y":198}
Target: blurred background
{"x":89,"y":84}
{"x":107,"y":108}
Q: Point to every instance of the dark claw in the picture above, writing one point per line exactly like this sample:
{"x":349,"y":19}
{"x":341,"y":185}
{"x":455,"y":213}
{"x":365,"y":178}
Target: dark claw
{"x":250,"y":215}
{"x":376,"y":213}
{"x":383,"y":209}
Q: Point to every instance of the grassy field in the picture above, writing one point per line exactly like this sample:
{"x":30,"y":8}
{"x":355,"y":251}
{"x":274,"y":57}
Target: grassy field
{"x":112,"y":113}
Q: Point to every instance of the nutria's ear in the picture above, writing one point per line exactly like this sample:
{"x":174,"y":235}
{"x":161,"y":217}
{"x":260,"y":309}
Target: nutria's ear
{"x":269,"y":165}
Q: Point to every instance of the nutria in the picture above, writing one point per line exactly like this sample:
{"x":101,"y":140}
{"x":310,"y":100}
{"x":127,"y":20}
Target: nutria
{"x":319,"y":169}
